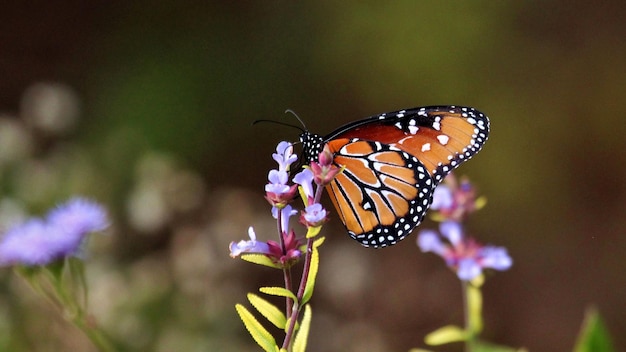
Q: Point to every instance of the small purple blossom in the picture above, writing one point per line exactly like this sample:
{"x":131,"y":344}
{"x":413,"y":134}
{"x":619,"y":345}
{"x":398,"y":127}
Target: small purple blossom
{"x":277,"y":182}
{"x":277,"y":192}
{"x":305,"y":179}
{"x":463,"y":254}
{"x":314,"y":215}
{"x":284,"y":156}
{"x":251,"y":246}
{"x":61,"y":234}
{"x":286,"y":213}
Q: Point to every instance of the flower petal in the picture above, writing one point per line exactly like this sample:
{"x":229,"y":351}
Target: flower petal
{"x":468,"y":269}
{"x":429,"y":241}
{"x":496,"y":258}
{"x":442,"y":198}
{"x":305,"y":179}
{"x":453,"y":231}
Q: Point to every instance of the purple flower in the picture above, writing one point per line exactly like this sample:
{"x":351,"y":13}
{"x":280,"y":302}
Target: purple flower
{"x":277,"y":192}
{"x":463,"y":254}
{"x":79,"y":215}
{"x":314,"y":215}
{"x":284,"y":156}
{"x":442,"y":198}
{"x":286,"y":213}
{"x":283,"y":255}
{"x":61,"y":234}
{"x":251,"y":246}
{"x":455,"y":200}
{"x":277,"y":182}
{"x":305,"y":179}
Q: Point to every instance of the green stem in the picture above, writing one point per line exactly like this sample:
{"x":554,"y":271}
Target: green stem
{"x":472,"y":303}
{"x":296,"y":308}
{"x":94,"y":334}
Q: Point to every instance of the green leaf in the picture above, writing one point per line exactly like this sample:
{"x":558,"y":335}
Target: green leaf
{"x":310,"y":283}
{"x":262,"y":337}
{"x":302,"y":336}
{"x":268,"y":310}
{"x":318,"y":241}
{"x":313,"y":231}
{"x":446,"y":334}
{"x":278,"y":291}
{"x":593,"y":336}
{"x":259,"y":259}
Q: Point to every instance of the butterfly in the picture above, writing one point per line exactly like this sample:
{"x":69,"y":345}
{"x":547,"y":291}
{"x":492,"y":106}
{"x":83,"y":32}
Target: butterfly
{"x":392,"y":163}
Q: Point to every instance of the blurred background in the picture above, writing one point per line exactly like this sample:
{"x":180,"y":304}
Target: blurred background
{"x":146,"y":106}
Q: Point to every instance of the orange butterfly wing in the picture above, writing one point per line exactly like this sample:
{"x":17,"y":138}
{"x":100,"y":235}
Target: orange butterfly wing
{"x":382,"y":193}
{"x":392,"y":163}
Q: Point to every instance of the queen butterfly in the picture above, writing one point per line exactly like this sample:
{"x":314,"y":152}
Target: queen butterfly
{"x":392,"y":163}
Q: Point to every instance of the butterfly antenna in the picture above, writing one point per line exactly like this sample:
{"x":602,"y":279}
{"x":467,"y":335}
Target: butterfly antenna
{"x":289,"y":111}
{"x":279,"y":123}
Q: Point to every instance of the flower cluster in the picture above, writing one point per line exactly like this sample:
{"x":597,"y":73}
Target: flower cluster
{"x":453,"y":203}
{"x":40,"y":241}
{"x":455,"y":200}
{"x":279,"y":193}
{"x":463,"y":254}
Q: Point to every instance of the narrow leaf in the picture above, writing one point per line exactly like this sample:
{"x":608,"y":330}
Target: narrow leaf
{"x":268,"y":310}
{"x":593,"y":336}
{"x":262,"y":337}
{"x":312,"y":231}
{"x":259,"y":259}
{"x":318,"y":241}
{"x":278,"y":291}
{"x":310,"y":283}
{"x":446,"y":334}
{"x":302,"y":336}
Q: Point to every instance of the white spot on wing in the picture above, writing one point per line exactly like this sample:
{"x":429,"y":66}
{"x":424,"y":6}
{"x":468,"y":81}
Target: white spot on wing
{"x":443,"y":139}
{"x":425,"y":147}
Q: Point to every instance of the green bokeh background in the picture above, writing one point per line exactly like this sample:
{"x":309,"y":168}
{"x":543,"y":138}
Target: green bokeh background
{"x":188,"y":78}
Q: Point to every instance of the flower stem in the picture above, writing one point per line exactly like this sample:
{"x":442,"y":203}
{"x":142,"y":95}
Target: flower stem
{"x":472,"y":302}
{"x":94,"y":334}
{"x":296,"y":308}
{"x":303,"y":281}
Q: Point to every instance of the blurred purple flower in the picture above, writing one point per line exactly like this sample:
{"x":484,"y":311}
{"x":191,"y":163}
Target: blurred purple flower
{"x":79,"y":215}
{"x":61,"y":234}
{"x":463,"y":254}
{"x":455,"y":200}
